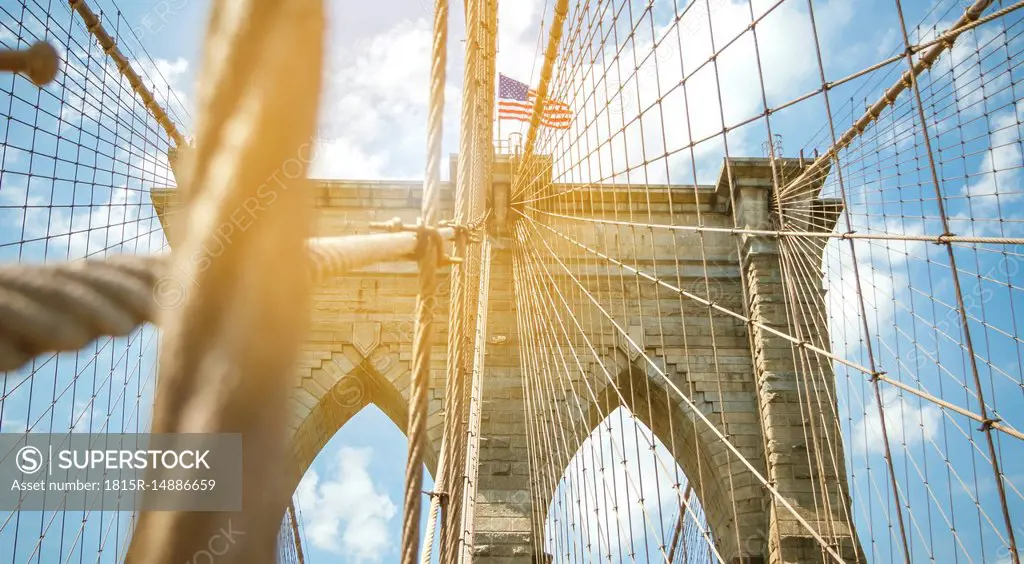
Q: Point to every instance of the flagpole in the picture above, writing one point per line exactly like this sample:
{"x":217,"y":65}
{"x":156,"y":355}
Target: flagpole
{"x":497,"y":115}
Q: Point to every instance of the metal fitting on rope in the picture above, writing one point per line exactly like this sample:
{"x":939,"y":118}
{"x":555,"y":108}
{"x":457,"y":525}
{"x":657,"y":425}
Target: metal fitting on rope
{"x":39,"y":62}
{"x":439,"y":495}
{"x":876,"y":376}
{"x":425,"y":236}
{"x":988,"y":424}
{"x":429,"y":236}
{"x":464,"y":234}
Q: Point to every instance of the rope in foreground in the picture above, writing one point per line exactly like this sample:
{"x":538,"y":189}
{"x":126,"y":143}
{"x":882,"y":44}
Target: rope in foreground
{"x":64,"y":307}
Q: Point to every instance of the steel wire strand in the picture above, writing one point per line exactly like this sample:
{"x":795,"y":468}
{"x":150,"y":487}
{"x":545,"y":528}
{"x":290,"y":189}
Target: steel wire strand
{"x":565,"y":450}
{"x":675,"y":253}
{"x":793,"y":233}
{"x":973,"y":12}
{"x":547,"y":302}
{"x":882,"y":378}
{"x":948,"y":36}
{"x":684,"y":504}
{"x":813,"y":365}
{"x":652,"y":247}
{"x":541,"y":364}
{"x":908,"y":78}
{"x":110,"y":46}
{"x":459,"y":321}
{"x":554,"y":509}
{"x":694,"y":409}
{"x":472,"y":437}
{"x":997,"y":425}
{"x":65,"y":306}
{"x":536,"y":520}
{"x":601,"y":539}
{"x":628,"y":43}
{"x":28,"y":113}
{"x":943,"y":369}
{"x":428,"y":265}
{"x":561,"y":10}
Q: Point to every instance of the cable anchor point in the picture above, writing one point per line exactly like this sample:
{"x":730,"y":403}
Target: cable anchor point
{"x":988,"y":424}
{"x":425,"y":238}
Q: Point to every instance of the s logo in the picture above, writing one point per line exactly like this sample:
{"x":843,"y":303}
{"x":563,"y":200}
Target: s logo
{"x":29,"y":460}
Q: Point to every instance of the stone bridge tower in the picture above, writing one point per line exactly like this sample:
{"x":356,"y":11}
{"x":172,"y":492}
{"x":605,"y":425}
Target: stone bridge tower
{"x":359,"y":350}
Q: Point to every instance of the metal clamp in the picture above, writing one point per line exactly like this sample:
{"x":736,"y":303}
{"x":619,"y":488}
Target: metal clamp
{"x":425,"y":237}
{"x":988,"y":424}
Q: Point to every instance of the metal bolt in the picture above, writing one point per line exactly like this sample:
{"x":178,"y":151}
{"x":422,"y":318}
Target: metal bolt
{"x":39,"y":62}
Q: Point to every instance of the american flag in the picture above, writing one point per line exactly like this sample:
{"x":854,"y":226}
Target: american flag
{"x":516,"y":101}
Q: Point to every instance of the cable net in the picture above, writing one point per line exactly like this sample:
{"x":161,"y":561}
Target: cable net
{"x":79,"y":160}
{"x":766,"y":284}
{"x":834,"y":322}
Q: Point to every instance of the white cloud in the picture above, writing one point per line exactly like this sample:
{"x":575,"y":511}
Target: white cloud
{"x":121,"y":222}
{"x":884,"y":269}
{"x":164,"y":77}
{"x":340,"y":157}
{"x":374,"y":111}
{"x":964,"y":63}
{"x":905,"y":424}
{"x":12,"y":425}
{"x":598,"y":497}
{"x":686,"y":115}
{"x":86,"y":417}
{"x":345,"y":512}
{"x":114,"y":218}
{"x":993,"y":189}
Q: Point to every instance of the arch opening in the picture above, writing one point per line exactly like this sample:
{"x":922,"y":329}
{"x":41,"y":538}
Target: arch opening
{"x":350,"y":450}
{"x":638,"y":411}
{"x":624,"y":493}
{"x":348,"y":502}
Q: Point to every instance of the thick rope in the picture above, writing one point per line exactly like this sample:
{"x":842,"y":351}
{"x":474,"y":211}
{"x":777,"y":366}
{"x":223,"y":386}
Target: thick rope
{"x":228,"y":351}
{"x":63,"y":307}
{"x":39,"y":63}
{"x":423,"y":336}
{"x":472,"y":437}
{"x":550,"y":54}
{"x":109,"y":45}
{"x":417,"y":430}
{"x":924,"y":62}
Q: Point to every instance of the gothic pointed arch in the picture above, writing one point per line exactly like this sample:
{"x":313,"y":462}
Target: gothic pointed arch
{"x":334,"y":385}
{"x":728,"y":492}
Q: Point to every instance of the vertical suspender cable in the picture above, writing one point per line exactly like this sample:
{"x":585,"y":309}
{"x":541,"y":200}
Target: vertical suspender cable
{"x":423,"y":337}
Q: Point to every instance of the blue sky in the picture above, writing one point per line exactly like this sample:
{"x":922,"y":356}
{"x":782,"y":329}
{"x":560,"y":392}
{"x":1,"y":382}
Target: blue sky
{"x":75,"y":177}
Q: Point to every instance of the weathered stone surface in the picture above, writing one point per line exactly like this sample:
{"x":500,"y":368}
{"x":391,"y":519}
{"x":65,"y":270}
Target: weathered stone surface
{"x":747,"y":385}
